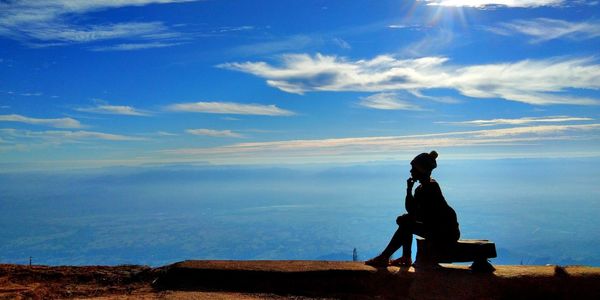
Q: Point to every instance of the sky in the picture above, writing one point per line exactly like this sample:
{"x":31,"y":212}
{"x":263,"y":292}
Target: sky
{"x":134,"y":82}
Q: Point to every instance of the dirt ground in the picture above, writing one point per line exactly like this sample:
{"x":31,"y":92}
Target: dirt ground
{"x":449,"y":282}
{"x":99,"y":283}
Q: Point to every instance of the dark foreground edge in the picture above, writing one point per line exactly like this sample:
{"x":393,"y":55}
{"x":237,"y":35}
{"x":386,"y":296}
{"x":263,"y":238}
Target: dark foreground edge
{"x":354,"y":279}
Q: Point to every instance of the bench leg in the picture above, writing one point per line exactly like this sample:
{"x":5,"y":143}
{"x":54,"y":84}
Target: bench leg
{"x":426,"y":258}
{"x":482,"y":265}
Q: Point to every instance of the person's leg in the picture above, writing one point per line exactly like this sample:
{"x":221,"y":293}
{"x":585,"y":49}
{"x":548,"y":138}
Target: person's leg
{"x":402,"y":237}
{"x":419,"y":229}
{"x":410,"y":227}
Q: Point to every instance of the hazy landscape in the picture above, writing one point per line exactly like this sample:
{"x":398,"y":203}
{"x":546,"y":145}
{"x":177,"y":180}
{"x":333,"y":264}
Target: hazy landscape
{"x":538,"y":211}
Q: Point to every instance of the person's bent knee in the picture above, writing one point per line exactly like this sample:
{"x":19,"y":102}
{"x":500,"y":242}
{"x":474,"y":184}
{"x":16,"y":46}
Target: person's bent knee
{"x":403,"y":219}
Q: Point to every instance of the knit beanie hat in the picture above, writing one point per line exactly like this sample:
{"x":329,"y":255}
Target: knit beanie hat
{"x":425,"y":161}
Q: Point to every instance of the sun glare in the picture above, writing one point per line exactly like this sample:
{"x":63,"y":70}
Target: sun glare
{"x":448,"y":16}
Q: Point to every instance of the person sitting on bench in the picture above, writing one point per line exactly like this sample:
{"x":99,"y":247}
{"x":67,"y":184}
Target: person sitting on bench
{"x":429,"y":215}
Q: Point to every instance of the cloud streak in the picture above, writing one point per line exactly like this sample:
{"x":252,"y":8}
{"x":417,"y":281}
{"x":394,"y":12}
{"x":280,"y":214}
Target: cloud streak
{"x":520,"y":121}
{"x":537,"y":82}
{"x":52,"y":22}
{"x":230,"y":108}
{"x":544,"y":29}
{"x":114,"y":110}
{"x":276,"y":46}
{"x":486,"y":3}
{"x":387,"y":101}
{"x":135,"y":46}
{"x":58,"y":123}
{"x":62,"y":136}
{"x":214,"y":133}
{"x":369,"y":148}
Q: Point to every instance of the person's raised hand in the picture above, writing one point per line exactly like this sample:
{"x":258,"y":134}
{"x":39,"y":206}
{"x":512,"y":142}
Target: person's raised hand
{"x":410,"y":182}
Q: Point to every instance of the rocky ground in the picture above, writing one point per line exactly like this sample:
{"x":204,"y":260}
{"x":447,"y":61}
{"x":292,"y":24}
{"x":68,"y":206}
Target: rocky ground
{"x":295,"y":280}
{"x":98,"y":282}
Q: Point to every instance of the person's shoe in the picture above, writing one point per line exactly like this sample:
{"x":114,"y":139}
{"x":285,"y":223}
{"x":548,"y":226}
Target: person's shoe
{"x":402,"y":262}
{"x":378,"y":262}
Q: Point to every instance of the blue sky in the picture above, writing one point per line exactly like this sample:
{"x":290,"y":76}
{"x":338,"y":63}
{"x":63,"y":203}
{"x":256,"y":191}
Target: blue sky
{"x":100,"y":83}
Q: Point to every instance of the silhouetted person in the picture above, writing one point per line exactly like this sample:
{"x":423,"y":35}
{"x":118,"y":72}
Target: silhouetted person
{"x":429,"y":215}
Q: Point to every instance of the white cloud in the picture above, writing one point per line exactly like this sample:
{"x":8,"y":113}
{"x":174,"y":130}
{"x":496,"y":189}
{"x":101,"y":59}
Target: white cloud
{"x":484,"y":3}
{"x":231,"y":119}
{"x":431,"y":42}
{"x":230,"y":108}
{"x":66,"y":33}
{"x":59,"y":122}
{"x":135,"y":46}
{"x":53,"y":22}
{"x":114,"y":110}
{"x":75,"y":135}
{"x":214,"y":133}
{"x":536,"y":130}
{"x":235,"y":28}
{"x":164,"y":133}
{"x":63,"y":136}
{"x":292,"y":43}
{"x":37,"y":94}
{"x":544,"y":29}
{"x":387,"y":101}
{"x":538,"y":82}
{"x":521,"y":121}
{"x":24,"y":94}
{"x":341,"y":43}
{"x":370,"y":148}
{"x":441,"y":99}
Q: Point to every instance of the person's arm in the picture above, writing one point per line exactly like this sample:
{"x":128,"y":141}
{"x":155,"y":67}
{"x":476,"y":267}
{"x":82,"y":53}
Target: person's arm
{"x":409,"y":202}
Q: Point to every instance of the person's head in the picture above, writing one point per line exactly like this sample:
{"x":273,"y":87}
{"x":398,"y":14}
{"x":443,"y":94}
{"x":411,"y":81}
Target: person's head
{"x":422,"y":165}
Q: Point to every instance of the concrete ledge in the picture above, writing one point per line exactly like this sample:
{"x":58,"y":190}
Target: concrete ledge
{"x":354,"y":279}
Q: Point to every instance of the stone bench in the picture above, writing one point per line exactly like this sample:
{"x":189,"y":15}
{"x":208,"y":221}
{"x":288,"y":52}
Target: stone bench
{"x":477,"y":251}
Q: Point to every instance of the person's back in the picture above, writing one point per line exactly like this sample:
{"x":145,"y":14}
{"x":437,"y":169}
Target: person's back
{"x":434,"y":212}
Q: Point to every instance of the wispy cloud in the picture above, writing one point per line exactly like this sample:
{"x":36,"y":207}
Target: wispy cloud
{"x":37,"y":94}
{"x":165,"y":133}
{"x":341,"y":43}
{"x":24,"y":94}
{"x":485,"y":3}
{"x":114,"y":110}
{"x":235,"y":28}
{"x":440,"y":99}
{"x":291,"y":43}
{"x":59,"y":122}
{"x":63,"y":136}
{"x":52,"y":22}
{"x":398,"y":26}
{"x":538,"y":82}
{"x":540,"y":130}
{"x":369,"y":148}
{"x":544,"y":29}
{"x":387,"y":101}
{"x":230,"y":108}
{"x":134,"y":46}
{"x":214,"y":133}
{"x":432,"y":42}
{"x":521,"y":121}
{"x":67,"y":34}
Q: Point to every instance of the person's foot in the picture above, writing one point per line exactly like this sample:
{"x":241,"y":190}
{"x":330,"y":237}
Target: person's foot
{"x":402,"y":262}
{"x":378,"y":261}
